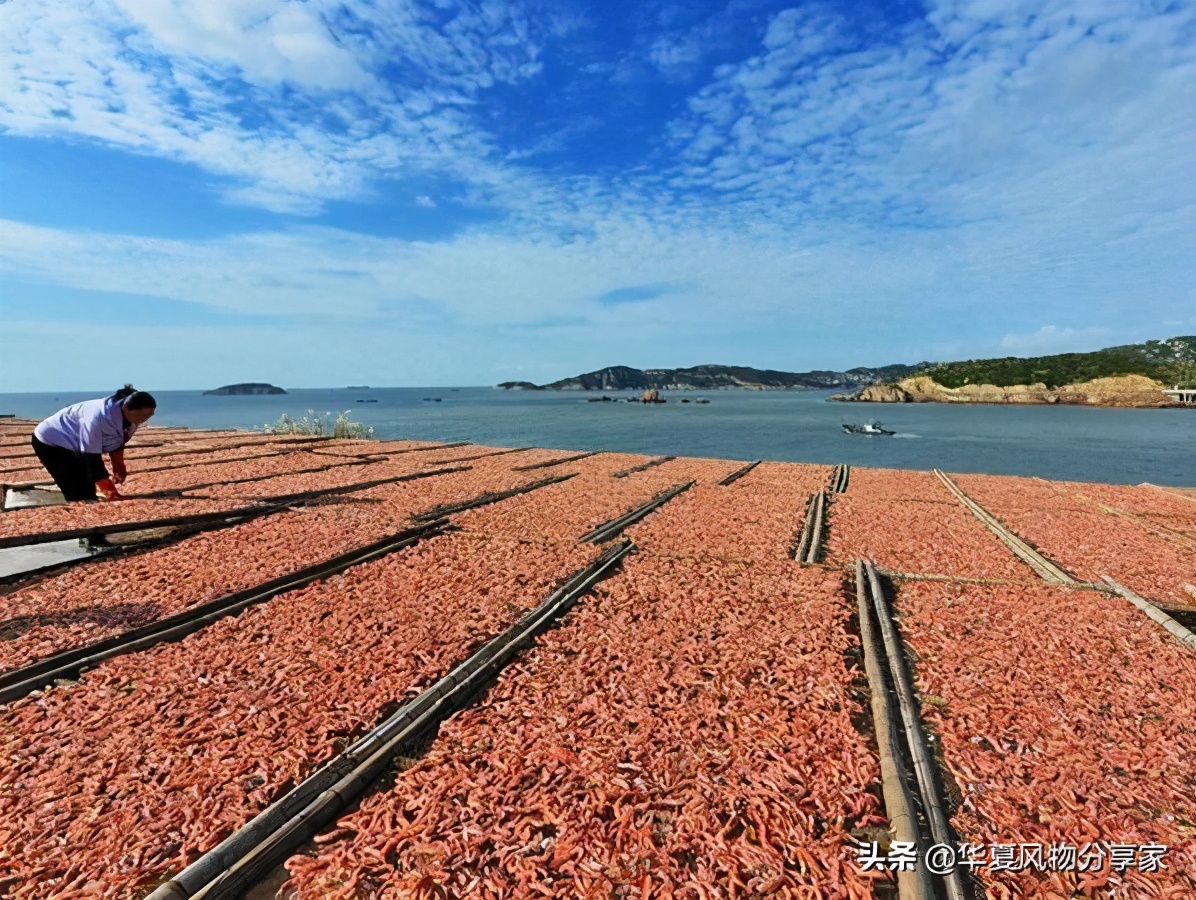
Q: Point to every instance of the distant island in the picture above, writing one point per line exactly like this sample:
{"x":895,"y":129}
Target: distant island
{"x":1137,"y":375}
{"x":715,"y":377}
{"x":252,"y":387}
{"x":1131,"y":375}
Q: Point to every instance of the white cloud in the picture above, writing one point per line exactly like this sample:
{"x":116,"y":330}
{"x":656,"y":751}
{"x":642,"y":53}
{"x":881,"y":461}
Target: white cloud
{"x":977,"y":112}
{"x":478,"y":279}
{"x":677,"y":55}
{"x":1049,"y":339}
{"x":262,"y":40}
{"x":806,"y":283}
{"x":252,"y":91}
{"x":470,"y":309}
{"x":980,"y":110}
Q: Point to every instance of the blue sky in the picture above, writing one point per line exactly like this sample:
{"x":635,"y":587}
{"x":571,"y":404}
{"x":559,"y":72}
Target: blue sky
{"x":446,"y":192}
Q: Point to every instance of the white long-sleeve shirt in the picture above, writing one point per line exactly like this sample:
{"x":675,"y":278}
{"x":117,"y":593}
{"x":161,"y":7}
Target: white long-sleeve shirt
{"x":93,"y":426}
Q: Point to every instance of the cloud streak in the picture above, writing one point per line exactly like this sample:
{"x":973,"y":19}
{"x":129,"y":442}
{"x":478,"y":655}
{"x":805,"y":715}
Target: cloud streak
{"x":1049,"y":339}
{"x":295,"y":103}
{"x":639,"y":293}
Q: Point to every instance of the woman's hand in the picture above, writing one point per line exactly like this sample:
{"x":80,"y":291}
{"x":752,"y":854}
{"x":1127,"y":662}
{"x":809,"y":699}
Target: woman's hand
{"x":119,"y":472}
{"x":108,"y":489}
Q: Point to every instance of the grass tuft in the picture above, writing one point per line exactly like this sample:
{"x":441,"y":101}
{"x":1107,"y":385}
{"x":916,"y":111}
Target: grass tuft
{"x":321,"y":425}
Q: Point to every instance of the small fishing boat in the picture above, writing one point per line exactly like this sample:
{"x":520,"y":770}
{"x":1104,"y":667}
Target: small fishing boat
{"x":867,"y":428}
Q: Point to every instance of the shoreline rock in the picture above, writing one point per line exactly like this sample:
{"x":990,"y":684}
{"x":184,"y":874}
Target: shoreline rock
{"x":1128,"y":391}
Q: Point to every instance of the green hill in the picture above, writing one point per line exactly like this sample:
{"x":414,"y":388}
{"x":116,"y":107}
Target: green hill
{"x":713,"y":377}
{"x":1172,"y":361}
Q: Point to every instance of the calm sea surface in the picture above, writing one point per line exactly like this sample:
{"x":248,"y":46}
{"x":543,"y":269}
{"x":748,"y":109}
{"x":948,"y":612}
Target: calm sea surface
{"x":1125,"y":446}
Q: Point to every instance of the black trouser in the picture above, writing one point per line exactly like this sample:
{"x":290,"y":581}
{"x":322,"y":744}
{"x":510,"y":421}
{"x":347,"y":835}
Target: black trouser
{"x":74,"y":472}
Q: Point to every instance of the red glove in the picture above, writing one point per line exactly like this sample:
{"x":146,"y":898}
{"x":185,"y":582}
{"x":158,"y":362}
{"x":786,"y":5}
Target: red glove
{"x":119,"y":472}
{"x":108,"y":489}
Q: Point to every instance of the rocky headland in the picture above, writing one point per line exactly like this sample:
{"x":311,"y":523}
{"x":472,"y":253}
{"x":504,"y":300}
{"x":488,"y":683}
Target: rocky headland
{"x":1124,"y":390}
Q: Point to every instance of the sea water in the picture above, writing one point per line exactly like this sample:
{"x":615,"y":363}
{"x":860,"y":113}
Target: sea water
{"x":1124,"y":446}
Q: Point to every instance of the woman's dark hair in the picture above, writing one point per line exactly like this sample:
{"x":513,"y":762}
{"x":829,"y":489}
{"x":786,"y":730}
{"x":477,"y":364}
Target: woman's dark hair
{"x":135,"y":399}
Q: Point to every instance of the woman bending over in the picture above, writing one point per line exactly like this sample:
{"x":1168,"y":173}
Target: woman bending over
{"x":71,"y":443}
